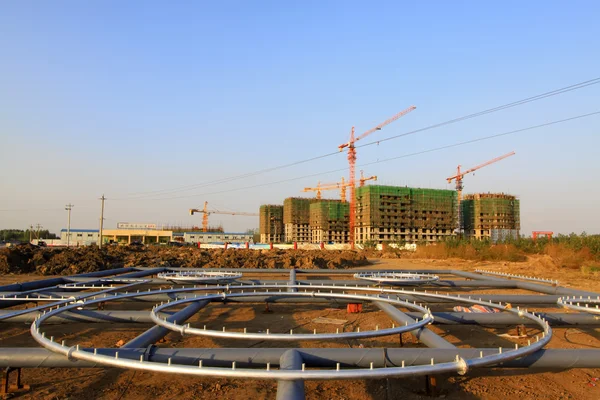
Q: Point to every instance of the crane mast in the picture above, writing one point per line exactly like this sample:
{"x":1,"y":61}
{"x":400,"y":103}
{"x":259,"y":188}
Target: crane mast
{"x":352,"y":165}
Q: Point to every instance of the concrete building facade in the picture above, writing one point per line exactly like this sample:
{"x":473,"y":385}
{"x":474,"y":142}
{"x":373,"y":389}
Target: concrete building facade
{"x":329,"y":221}
{"x":392,"y":214}
{"x":296,"y":219}
{"x":271,"y":223}
{"x":494,"y":216}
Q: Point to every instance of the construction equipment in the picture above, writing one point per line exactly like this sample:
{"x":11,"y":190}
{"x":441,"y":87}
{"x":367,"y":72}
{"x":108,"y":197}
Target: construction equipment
{"x":329,"y":186}
{"x":362,"y":179}
{"x":459,"y":181}
{"x":352,"y":165}
{"x":206,"y":212}
{"x":342,"y":185}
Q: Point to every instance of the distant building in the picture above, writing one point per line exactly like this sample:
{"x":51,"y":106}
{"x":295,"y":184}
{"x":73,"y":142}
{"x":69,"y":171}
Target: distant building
{"x":80,"y":237}
{"x":329,"y":221}
{"x":217,"y":237}
{"x":494,"y":216}
{"x":271,"y":223}
{"x":404,"y":214}
{"x":145,"y":236}
{"x":296,"y":219}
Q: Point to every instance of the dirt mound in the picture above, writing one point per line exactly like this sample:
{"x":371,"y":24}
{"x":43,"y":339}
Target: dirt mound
{"x":44,"y":261}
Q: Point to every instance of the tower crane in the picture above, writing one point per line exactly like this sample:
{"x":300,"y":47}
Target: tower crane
{"x":461,"y":174}
{"x":206,"y":212}
{"x":362,"y":179}
{"x":329,"y":186}
{"x":342,"y":185}
{"x":352,"y":164}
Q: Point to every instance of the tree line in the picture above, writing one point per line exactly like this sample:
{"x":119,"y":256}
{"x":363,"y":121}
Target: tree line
{"x":8,"y":235}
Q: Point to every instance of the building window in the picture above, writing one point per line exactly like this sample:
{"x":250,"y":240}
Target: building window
{"x":193,"y":237}
{"x":90,"y":235}
{"x":80,"y":235}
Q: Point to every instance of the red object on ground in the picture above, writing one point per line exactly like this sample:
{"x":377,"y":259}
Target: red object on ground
{"x":271,"y":245}
{"x":548,"y":234}
{"x":225,"y":245}
{"x":198,"y":244}
{"x":322,"y":246}
{"x":295,"y":245}
{"x":247,"y":245}
{"x":354,"y":308}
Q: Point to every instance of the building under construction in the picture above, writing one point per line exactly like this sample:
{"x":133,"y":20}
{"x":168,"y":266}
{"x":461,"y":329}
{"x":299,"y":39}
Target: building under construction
{"x":403,"y":214}
{"x":491,"y":215}
{"x":271,"y":223}
{"x":329,"y":221}
{"x":296,"y":219}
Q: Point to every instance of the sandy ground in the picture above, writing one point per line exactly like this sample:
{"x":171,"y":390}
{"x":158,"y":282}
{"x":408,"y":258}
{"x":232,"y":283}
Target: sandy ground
{"x":485,"y":384}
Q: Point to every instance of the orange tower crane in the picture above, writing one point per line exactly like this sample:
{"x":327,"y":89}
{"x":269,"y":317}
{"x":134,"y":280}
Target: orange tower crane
{"x":329,"y":186}
{"x":207,"y":212}
{"x":352,"y":165}
{"x":461,"y":174}
{"x":342,"y":185}
{"x":362,"y":179}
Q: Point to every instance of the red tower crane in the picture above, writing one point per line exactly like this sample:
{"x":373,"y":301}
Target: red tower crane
{"x":352,"y":165}
{"x":207,"y":212}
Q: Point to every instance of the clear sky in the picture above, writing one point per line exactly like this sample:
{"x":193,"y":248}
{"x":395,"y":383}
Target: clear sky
{"x":124,"y":98}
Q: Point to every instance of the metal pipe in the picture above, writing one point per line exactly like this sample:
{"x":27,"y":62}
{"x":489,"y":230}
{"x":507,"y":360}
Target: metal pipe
{"x":106,"y":272}
{"x":140,"y":274}
{"x":426,"y":336}
{"x":71,"y":299}
{"x":86,"y":316}
{"x":546,"y":359}
{"x":518,"y":299}
{"x":504,"y":319}
{"x":315,"y":271}
{"x":20,"y":287}
{"x":290,"y":390}
{"x":292,"y":336}
{"x":459,"y":365}
{"x":536,"y":287}
{"x":156,"y":333}
{"x":293,"y":280}
{"x":440,"y":318}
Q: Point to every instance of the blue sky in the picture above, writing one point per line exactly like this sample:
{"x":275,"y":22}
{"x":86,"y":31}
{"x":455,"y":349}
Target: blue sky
{"x":123,"y":98}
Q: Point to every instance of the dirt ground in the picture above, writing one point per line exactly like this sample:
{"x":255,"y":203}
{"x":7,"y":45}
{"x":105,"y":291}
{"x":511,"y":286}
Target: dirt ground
{"x":478,"y":384}
{"x":25,"y":259}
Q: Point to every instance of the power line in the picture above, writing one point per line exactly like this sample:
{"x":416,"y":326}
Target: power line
{"x":385,"y":160}
{"x":491,"y":110}
{"x":580,"y":85}
{"x":233,"y":178}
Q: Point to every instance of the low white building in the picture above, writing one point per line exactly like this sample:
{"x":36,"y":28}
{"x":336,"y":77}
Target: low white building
{"x":80,"y":237}
{"x":217,"y":237}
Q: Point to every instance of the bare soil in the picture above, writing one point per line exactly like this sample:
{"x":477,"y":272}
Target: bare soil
{"x":478,"y":384}
{"x":25,"y":259}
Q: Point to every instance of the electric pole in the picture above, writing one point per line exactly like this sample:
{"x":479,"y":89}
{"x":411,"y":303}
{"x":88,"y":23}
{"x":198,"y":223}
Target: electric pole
{"x":68,"y":207}
{"x":30,"y":232}
{"x":39,"y":227}
{"x":101,"y":221}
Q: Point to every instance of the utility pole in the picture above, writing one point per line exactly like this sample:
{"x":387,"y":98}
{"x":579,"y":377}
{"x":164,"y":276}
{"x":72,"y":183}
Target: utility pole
{"x":30,"y":232}
{"x":39,"y":227}
{"x":68,"y":207}
{"x":101,"y":221}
